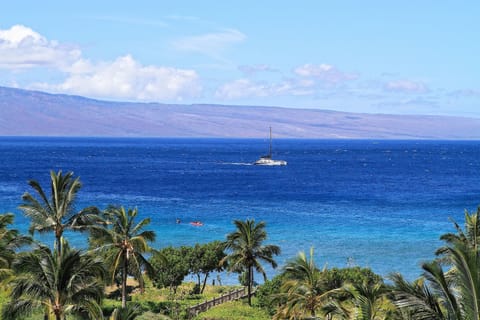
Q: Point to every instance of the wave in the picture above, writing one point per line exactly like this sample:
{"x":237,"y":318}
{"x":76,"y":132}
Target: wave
{"x":237,"y":163}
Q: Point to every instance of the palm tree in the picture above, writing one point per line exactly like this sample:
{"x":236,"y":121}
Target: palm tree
{"x":369,"y":300}
{"x":458,"y":288}
{"x":305,"y":290}
{"x":470,"y":237}
{"x":10,"y":241}
{"x":247,"y":250}
{"x":416,"y":300}
{"x":124,"y":241}
{"x":70,"y":283}
{"x":57,"y":212}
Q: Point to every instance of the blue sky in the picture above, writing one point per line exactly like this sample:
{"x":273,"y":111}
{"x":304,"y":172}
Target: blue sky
{"x":399,"y":57}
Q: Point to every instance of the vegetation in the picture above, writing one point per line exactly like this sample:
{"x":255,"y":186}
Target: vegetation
{"x":123,"y":242}
{"x":10,"y":241}
{"x":247,"y":251}
{"x":59,"y":282}
{"x":171,"y":265}
{"x":450,"y":294}
{"x":305,"y":290}
{"x":71,"y":282}
{"x":205,"y":259}
{"x":56,"y":213}
{"x":234,"y":311}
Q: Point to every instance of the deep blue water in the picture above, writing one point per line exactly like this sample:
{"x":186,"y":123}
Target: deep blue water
{"x":381,"y":204}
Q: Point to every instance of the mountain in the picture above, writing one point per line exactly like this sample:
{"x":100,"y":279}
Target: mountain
{"x":33,"y":113}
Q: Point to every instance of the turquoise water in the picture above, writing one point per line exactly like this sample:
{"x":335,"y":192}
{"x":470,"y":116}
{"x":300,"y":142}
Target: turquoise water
{"x":381,"y":204}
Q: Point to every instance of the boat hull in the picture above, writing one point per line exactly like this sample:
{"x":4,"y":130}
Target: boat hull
{"x":270,"y":162}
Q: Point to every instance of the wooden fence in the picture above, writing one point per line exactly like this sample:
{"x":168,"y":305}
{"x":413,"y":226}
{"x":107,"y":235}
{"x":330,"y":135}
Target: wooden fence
{"x":229,"y":296}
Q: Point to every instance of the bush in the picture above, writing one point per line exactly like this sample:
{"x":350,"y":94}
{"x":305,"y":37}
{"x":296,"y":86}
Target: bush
{"x":266,"y":292}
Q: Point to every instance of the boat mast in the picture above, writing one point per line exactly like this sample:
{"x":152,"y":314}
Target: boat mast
{"x":270,"y":142}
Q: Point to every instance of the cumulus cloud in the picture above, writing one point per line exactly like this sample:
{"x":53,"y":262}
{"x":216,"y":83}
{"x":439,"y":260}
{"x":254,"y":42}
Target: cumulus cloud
{"x":406,"y":86}
{"x":308,"y":79}
{"x":325,"y":73}
{"x":21,"y":47}
{"x":123,"y":78}
{"x":127,"y":79}
{"x":210,"y":44}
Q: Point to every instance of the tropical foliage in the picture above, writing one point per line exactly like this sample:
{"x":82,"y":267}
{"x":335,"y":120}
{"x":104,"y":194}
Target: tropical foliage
{"x":56,"y":212}
{"x":205,"y":259}
{"x":10,"y":241}
{"x":123,"y":242}
{"x":58,"y":282}
{"x":247,"y":251}
{"x":304,"y":290}
{"x":70,"y":282}
{"x":171,"y":266}
{"x":450,"y":294}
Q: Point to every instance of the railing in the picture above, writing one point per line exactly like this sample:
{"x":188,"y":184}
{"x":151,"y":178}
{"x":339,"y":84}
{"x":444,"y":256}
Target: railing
{"x":204,"y":306}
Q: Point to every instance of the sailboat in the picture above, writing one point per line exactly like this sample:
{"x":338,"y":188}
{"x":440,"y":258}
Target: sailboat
{"x":267,"y":160}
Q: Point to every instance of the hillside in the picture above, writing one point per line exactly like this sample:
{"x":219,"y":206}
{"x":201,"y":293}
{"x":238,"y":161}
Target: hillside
{"x":32,"y":113}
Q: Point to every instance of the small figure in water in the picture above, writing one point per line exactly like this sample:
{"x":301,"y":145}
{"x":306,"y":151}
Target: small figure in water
{"x":178,"y":221}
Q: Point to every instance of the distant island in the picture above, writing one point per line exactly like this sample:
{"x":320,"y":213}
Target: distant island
{"x":34,"y":113}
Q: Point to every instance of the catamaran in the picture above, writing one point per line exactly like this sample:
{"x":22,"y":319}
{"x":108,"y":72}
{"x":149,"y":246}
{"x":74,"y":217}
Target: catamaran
{"x":267,"y":160}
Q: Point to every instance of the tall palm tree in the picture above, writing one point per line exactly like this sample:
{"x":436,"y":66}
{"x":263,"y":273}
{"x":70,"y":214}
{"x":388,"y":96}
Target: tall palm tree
{"x":56,"y":212}
{"x":124,"y":241}
{"x":70,"y":283}
{"x":10,"y":241}
{"x":247,"y":250}
{"x":305,"y":290}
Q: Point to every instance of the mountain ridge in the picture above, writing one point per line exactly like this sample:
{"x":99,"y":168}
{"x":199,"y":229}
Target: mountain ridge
{"x":36,"y":113}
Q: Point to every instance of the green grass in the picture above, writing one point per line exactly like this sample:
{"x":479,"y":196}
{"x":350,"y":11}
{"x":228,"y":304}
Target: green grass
{"x":235,"y":310}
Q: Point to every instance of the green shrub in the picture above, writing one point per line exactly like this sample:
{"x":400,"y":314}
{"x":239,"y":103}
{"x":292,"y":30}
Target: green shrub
{"x":109,"y":305}
{"x":266,"y":292}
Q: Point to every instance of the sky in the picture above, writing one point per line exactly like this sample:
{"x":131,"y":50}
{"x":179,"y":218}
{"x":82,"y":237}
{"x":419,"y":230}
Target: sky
{"x":394,"y":57}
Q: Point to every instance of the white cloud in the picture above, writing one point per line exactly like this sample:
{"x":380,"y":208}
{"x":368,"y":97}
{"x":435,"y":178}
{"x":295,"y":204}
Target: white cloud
{"x":465,"y":93}
{"x":127,"y":79}
{"x":210,"y":44}
{"x":21,"y":47}
{"x":406,"y":86}
{"x":245,"y":88}
{"x":253,"y":69}
{"x":325,"y":73}
{"x":241,"y":88}
{"x":123,"y":78}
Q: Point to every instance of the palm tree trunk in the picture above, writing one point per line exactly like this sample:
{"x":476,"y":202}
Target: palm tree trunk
{"x":124,"y":282}
{"x":58,"y":239}
{"x":249,"y":284}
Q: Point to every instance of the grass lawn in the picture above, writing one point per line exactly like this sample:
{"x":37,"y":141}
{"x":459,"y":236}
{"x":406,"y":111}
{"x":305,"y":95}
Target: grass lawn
{"x":235,"y":310}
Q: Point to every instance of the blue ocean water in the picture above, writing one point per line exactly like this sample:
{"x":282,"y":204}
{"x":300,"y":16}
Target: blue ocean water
{"x":378,"y":204}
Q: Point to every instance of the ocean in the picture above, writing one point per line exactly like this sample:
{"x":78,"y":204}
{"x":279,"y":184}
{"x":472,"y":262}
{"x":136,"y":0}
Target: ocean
{"x":372,"y":203}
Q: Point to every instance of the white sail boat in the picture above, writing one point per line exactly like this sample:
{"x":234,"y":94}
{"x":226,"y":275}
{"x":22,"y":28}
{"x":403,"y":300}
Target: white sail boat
{"x":267,"y":160}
